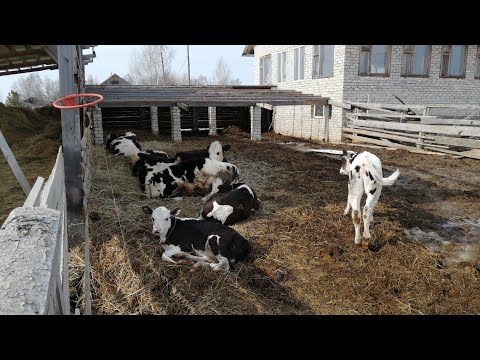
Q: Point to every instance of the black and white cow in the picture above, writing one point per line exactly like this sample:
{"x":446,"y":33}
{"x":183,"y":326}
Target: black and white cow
{"x":148,"y":158}
{"x":195,"y":176}
{"x":214,"y":151}
{"x":198,"y":240}
{"x":126,"y":145}
{"x":365,"y":175}
{"x":231,"y":204}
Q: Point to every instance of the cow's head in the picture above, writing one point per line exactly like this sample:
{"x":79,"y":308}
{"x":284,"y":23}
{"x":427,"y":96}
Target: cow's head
{"x":161,"y":219}
{"x":215,"y":150}
{"x":347,"y":159}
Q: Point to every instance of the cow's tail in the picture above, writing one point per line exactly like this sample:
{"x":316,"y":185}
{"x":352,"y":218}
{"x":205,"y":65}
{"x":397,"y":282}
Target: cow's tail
{"x":385,"y":181}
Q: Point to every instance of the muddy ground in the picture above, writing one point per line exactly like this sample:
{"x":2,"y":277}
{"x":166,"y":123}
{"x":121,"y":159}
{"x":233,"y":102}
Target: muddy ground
{"x":423,"y":257}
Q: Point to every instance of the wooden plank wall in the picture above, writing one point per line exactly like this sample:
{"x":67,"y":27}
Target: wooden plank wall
{"x":393,"y":128}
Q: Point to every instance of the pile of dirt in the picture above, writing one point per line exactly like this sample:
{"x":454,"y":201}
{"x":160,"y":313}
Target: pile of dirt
{"x":235,"y":131}
{"x":304,"y":260}
{"x":34,"y":136}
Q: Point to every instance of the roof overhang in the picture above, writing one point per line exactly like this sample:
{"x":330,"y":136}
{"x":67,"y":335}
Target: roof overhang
{"x":200,"y":96}
{"x":16,"y":59}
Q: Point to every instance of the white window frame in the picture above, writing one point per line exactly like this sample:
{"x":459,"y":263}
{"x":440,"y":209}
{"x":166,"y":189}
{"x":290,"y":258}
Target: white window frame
{"x":317,"y":57}
{"x":282,"y":66}
{"x":296,"y":63}
{"x":263,"y":79}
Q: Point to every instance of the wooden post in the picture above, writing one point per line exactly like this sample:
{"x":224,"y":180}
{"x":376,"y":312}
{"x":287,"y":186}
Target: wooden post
{"x":14,"y":165}
{"x":71,"y":137}
{"x":421,"y":134}
{"x":194,"y":119}
{"x":326,"y":114}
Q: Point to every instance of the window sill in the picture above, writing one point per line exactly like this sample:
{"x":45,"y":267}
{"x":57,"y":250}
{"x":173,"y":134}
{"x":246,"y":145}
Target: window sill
{"x":322,"y":77}
{"x":374,"y":75}
{"x":452,"y":77}
{"x":415,"y":76}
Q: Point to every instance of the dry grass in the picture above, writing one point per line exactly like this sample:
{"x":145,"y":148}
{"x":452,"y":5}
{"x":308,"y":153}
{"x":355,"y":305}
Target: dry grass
{"x":303,"y":261}
{"x":34,"y":137}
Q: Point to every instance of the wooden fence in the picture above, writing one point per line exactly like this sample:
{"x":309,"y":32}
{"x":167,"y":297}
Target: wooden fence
{"x":411,"y":127}
{"x":37,"y":274}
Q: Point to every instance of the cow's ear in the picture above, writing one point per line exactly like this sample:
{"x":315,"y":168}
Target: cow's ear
{"x":147,"y":210}
{"x":226,"y":147}
{"x":175,"y":212}
{"x":344,"y":152}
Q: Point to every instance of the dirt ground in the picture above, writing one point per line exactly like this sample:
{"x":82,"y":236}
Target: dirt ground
{"x":423,"y":257}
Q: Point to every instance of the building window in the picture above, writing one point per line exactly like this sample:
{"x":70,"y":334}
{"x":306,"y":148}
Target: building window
{"x":282,"y":66}
{"x":453,"y":61}
{"x":319,"y":110}
{"x":477,"y":71}
{"x":374,"y":60}
{"x":266,"y":69}
{"x":416,"y":60}
{"x":299,"y":63}
{"x":322,"y":60}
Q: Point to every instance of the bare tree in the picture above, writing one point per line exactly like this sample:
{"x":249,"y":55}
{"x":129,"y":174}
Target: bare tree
{"x":91,"y":80}
{"x":152,"y":65}
{"x":30,"y":86}
{"x":52,"y":89}
{"x":222,"y":75}
{"x":43,"y":90}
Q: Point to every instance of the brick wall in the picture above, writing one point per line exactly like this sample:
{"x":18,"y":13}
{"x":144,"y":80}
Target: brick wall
{"x":412,"y":90}
{"x":346,"y":84}
{"x":298,"y":120}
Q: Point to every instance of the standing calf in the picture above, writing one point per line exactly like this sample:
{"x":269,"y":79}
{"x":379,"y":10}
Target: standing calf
{"x":365,"y":175}
{"x":198,"y":240}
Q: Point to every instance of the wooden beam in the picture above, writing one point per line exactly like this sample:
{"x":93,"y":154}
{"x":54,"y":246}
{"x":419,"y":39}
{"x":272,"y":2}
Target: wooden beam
{"x":182,"y":106}
{"x":381,"y":135}
{"x":474,"y":154}
{"x":340,"y":104}
{"x":439,"y":121}
{"x":435,"y":129}
{"x":17,"y":171}
{"x":33,"y":198}
{"x":71,"y":136}
{"x":51,"y":50}
{"x":265,"y":106}
{"x":21,"y":71}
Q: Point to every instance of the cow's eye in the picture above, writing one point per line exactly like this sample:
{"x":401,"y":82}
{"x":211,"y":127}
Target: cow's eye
{"x":166,"y":219}
{"x":153,"y":220}
{"x":218,"y":153}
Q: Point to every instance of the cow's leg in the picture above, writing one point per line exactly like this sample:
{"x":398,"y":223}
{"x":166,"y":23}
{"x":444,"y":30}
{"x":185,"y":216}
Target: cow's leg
{"x":196,"y":258}
{"x":349,"y":205}
{"x":372,"y":198}
{"x":222,"y":263}
{"x":356,"y":211}
{"x":215,"y":184}
{"x":167,"y":255}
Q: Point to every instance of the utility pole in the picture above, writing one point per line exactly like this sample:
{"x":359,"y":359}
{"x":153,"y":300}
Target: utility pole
{"x":188,"y":61}
{"x":163,"y":68}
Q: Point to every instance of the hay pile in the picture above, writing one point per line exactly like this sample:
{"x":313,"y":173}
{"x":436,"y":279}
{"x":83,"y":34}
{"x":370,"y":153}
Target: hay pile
{"x":34,"y":137}
{"x":303,"y":260}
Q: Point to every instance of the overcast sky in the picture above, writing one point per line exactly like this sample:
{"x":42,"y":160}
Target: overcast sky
{"x":115,"y":59}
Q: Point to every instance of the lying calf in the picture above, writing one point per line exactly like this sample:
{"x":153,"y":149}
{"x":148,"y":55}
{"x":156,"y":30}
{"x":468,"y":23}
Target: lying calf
{"x":198,"y":240}
{"x":214,"y":151}
{"x":231,"y":204}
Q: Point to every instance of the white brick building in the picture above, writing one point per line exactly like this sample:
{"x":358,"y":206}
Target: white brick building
{"x":418,"y":74}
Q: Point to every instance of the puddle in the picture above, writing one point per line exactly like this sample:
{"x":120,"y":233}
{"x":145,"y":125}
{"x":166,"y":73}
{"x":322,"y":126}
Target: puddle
{"x":462,"y":243}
